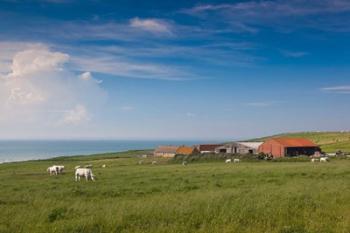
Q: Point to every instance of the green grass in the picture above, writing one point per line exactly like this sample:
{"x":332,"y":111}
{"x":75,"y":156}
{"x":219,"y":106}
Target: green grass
{"x":329,"y":141}
{"x":249,"y":197}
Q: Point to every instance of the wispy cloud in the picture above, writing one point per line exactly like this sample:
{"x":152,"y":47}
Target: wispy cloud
{"x":283,"y":15}
{"x":337,"y":89}
{"x":294,"y":54}
{"x":262,"y":104}
{"x":151,"y":25}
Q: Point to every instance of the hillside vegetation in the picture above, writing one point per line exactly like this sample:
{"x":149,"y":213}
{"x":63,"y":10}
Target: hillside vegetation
{"x":329,"y":141}
{"x":252,"y":197}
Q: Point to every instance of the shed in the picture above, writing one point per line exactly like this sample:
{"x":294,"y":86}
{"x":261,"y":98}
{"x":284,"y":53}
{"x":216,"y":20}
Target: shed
{"x":239,"y":148}
{"x":281,"y":147}
{"x":165,"y":151}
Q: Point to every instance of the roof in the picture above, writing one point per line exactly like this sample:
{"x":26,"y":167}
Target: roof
{"x":208,"y":147}
{"x":166,"y":149}
{"x":295,"y":142}
{"x":185,"y":150}
{"x":253,"y":145}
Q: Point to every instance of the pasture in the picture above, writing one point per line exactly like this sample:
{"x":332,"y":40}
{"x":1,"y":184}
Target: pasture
{"x":274,"y":197}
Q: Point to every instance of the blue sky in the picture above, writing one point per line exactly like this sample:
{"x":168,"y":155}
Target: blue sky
{"x":209,"y":70}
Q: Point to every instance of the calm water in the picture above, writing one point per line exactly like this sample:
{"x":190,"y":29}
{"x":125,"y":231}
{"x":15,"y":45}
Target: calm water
{"x":28,"y":150}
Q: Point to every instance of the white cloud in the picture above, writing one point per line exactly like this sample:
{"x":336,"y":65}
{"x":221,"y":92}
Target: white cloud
{"x":36,"y":60}
{"x":337,"y":89}
{"x":76,"y":115}
{"x":87,"y":76}
{"x":151,"y":25}
{"x":39,"y":92}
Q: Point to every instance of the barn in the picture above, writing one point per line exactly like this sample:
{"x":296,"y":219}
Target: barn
{"x":288,"y":147}
{"x":207,"y":148}
{"x":186,"y":150}
{"x":165,"y":151}
{"x":239,"y":148}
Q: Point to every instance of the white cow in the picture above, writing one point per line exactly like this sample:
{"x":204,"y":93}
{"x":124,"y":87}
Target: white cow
{"x":314,"y":160}
{"x":228,"y":161}
{"x":52,"y":170}
{"x":84,"y":172}
{"x":236,"y":160}
{"x":324,"y":159}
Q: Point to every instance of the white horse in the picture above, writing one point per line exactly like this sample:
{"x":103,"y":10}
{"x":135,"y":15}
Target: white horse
{"x":52,"y":170}
{"x":84,"y":172}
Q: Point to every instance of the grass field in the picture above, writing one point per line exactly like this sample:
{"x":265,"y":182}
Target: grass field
{"x":329,"y":141}
{"x":281,"y":197}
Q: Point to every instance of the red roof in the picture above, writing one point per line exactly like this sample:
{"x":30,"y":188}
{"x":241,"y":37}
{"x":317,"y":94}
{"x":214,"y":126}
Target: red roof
{"x":208,"y":147}
{"x":295,"y":142}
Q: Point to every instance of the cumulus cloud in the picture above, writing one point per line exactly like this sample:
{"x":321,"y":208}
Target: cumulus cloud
{"x":151,"y":25}
{"x":76,"y":115}
{"x":41,"y":92}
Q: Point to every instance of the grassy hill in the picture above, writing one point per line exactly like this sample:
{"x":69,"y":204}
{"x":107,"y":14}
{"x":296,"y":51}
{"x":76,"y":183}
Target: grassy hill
{"x":329,"y":141}
{"x":249,"y":197}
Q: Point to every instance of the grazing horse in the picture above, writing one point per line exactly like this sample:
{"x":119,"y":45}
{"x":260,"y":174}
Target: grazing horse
{"x":84,"y":172}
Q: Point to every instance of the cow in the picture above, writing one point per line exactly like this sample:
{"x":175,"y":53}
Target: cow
{"x":52,"y":170}
{"x":84,"y":172}
{"x":228,"y":161}
{"x":324,"y":159}
{"x":236,"y":160}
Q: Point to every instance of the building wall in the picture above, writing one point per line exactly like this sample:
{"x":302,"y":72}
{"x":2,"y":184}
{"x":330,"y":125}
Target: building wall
{"x":165,"y":155}
{"x":272,"y":148}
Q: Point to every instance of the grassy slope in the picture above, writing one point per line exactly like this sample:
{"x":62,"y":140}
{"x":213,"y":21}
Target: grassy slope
{"x":329,"y":141}
{"x":204,"y":197}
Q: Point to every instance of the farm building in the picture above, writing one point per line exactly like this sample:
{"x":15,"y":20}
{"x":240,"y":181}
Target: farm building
{"x":207,"y":148}
{"x":165,"y":151}
{"x":239,"y":148}
{"x":186,"y":150}
{"x":281,"y":147}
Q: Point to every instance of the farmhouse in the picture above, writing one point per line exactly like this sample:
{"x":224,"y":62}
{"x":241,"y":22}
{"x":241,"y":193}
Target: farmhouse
{"x":165,"y":151}
{"x":239,"y":148}
{"x":207,"y":148}
{"x":281,"y":147}
{"x":186,"y":150}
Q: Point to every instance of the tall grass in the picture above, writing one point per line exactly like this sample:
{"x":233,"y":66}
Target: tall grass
{"x":201,"y":197}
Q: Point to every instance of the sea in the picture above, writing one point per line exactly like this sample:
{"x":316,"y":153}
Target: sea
{"x":23,"y":150}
